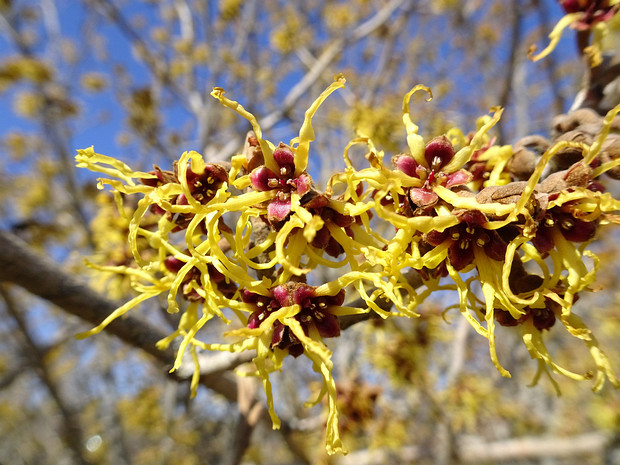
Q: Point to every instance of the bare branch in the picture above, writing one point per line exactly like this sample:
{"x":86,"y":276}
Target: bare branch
{"x":476,"y":451}
{"x":44,"y":278}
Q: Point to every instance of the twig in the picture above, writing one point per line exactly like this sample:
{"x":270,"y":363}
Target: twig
{"x":515,"y":40}
{"x":251,"y":409}
{"x":476,"y":451}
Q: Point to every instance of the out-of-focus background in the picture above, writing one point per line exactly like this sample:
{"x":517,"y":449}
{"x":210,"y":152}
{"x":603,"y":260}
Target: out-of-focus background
{"x":133,"y":78}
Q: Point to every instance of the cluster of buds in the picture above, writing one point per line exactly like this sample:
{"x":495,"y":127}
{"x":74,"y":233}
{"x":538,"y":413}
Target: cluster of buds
{"x":251,"y":242}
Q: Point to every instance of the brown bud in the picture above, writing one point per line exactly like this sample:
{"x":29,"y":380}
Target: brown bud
{"x":535,"y":143}
{"x":568,"y":156}
{"x":578,"y":175}
{"x":611,"y":151}
{"x":525,"y":156}
{"x":571,"y":121}
{"x":486,"y":194}
{"x":522,"y":163}
{"x":253,"y":152}
{"x":510,"y":193}
{"x":163,"y":177}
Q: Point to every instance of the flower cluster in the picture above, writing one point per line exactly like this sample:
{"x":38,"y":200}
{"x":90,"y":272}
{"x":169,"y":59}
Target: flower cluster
{"x":249,"y":242}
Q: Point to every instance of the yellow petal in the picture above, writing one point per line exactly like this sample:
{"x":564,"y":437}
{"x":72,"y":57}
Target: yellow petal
{"x":556,"y":34}
{"x":414,"y":140}
{"x":266,"y":147}
{"x":306,"y":133}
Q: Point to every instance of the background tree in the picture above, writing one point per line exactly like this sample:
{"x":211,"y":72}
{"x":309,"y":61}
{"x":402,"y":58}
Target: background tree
{"x":134,"y":80}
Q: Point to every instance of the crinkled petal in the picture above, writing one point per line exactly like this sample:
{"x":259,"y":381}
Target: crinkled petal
{"x":266,"y":147}
{"x":556,"y":34}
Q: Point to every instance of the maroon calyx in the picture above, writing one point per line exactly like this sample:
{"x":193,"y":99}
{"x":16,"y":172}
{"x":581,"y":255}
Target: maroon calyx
{"x":314,"y":312}
{"x":466,"y":235}
{"x":284,"y":181}
{"x":438,"y":153}
{"x":573,"y":229}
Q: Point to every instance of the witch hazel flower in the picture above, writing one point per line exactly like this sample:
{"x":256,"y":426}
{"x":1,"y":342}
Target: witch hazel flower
{"x":563,"y":220}
{"x":284,"y":182}
{"x":293,"y":319}
{"x":314,"y":313}
{"x":467,"y":235}
{"x":438,"y":153}
{"x":278,"y":182}
{"x":201,"y":181}
{"x":436,"y":164}
{"x":283,"y":169}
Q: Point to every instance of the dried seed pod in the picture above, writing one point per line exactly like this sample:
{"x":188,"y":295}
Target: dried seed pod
{"x":522,"y":164}
{"x":611,"y":151}
{"x":510,"y":193}
{"x":570,"y":121}
{"x":578,"y":175}
{"x":568,"y":156}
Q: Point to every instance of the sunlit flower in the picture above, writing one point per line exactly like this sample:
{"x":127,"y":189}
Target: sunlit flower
{"x":280,"y":174}
{"x":292,"y":318}
{"x":284,"y":182}
{"x":514,"y":251}
{"x":314,"y":313}
{"x":469,"y":233}
{"x":202,"y":179}
{"x":437,"y":154}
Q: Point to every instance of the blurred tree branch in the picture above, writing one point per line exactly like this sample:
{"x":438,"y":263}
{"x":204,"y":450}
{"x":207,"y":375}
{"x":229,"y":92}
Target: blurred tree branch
{"x":504,"y":451}
{"x":42,"y":277}
{"x":72,"y":430}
